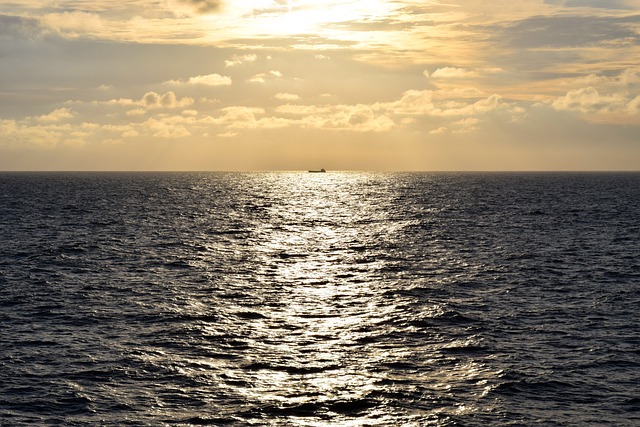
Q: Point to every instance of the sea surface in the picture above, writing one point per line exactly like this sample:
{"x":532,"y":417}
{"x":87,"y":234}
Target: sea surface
{"x":335,"y":299}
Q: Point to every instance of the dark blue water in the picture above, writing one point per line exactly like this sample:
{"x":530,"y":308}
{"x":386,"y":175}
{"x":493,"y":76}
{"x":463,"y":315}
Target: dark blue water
{"x":351,"y":299}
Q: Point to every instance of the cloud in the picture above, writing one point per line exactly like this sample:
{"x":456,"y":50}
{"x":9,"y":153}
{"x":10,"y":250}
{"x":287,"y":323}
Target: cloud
{"x":470,"y":124}
{"x":589,"y":100}
{"x":229,"y":134}
{"x":412,"y":106}
{"x":353,"y":118}
{"x":458,"y":92}
{"x":238,"y":117}
{"x":240,"y":59}
{"x":421,"y":102}
{"x":287,"y":96}
{"x":572,"y":31}
{"x":263,"y":77}
{"x":152,"y":100}
{"x":57,"y":115}
{"x":599,"y":4}
{"x":15,"y":27}
{"x":16,"y":134}
{"x":303,"y":110}
{"x":205,"y":80}
{"x":73,"y":24}
{"x":165,"y":128}
{"x":119,"y":101}
{"x":439,"y":130}
{"x":417,"y":108}
{"x":149,"y":101}
{"x":451,"y":73}
{"x":634,"y":105}
{"x":602,"y":95}
{"x":412,"y":102}
{"x":210,"y":80}
{"x":275,"y":123}
{"x":203,"y":7}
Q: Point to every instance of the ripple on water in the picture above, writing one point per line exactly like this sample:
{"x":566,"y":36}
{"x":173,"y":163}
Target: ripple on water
{"x":287,"y":299}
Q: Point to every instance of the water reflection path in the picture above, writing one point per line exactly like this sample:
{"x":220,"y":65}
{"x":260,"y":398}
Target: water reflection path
{"x":330,"y":337}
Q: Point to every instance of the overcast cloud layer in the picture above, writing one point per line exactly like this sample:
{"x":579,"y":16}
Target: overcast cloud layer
{"x":276,"y":84}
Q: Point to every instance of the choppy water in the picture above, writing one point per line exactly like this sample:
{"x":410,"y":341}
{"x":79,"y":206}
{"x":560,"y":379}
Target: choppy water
{"x":337,"y":299}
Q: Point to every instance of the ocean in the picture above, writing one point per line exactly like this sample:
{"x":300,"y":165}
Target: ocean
{"x":330,"y":299}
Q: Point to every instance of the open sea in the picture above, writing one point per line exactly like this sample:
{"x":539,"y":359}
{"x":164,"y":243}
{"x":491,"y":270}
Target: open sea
{"x":328,"y":299}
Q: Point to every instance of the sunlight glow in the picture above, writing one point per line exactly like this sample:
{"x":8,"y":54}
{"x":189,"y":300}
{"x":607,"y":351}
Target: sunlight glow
{"x":304,"y":17}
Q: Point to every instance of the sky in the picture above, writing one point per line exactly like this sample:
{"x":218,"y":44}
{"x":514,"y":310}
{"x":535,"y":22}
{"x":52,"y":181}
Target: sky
{"x":304,"y":84}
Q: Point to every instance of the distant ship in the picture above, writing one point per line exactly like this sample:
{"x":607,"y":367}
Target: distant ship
{"x":320,"y":171}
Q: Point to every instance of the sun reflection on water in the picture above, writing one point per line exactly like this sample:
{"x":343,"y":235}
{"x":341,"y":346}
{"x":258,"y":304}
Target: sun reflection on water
{"x":324,"y":339}
{"x":322,"y":298}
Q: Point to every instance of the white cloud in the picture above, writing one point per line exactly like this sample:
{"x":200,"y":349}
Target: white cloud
{"x":451,"y":73}
{"x":263,"y":77}
{"x":14,"y":134}
{"x":152,"y":100}
{"x":239,"y":117}
{"x":439,"y":130}
{"x":470,"y":124}
{"x":360,"y":117}
{"x":275,"y":123}
{"x":630,"y":76}
{"x":204,"y":80}
{"x":165,"y":128}
{"x":210,"y":80}
{"x":419,"y":102}
{"x":287,"y":96}
{"x":57,"y":115}
{"x":626,"y":81}
{"x":602,"y":98}
{"x":354,"y":118}
{"x":259,"y":78}
{"x":384,"y":116}
{"x":480,"y":107}
{"x":119,"y":101}
{"x":458,"y":92}
{"x":149,"y":101}
{"x":240,"y":59}
{"x":229,"y":134}
{"x":589,"y":100}
{"x":303,"y":110}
